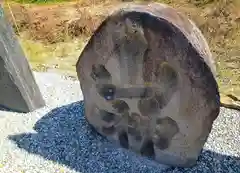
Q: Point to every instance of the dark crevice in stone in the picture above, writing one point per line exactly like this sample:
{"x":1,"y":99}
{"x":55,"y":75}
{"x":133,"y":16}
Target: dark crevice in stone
{"x":121,"y":106}
{"x":167,"y":75}
{"x":107,"y":91}
{"x":162,"y":102}
{"x":147,"y":149}
{"x":162,"y":142}
{"x":148,"y":106}
{"x":170,"y":126}
{"x":145,"y":55}
{"x":107,"y":116}
{"x":133,"y":119}
{"x":147,"y":67}
{"x":100,"y":72}
{"x":123,"y":139}
{"x":166,"y":128}
{"x":134,"y":132}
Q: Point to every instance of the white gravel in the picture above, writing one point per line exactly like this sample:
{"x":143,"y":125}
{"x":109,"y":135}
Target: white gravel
{"x":57,"y":138}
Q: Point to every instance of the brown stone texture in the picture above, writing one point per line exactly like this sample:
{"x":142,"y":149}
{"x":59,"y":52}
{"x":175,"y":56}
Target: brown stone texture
{"x":149,"y":70}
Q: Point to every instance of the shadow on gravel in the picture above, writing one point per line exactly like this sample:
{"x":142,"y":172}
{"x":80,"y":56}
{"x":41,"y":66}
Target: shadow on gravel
{"x":6,"y":109}
{"x":64,"y":136}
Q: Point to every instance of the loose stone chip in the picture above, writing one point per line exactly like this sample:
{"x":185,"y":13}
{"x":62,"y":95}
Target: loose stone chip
{"x":149,"y":70}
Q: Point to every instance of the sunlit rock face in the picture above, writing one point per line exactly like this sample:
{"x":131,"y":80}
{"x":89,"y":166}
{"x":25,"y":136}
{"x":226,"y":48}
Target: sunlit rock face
{"x":147,"y":77}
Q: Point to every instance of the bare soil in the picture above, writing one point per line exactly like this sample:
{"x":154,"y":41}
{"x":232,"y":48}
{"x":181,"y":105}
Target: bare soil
{"x":55,"y":23}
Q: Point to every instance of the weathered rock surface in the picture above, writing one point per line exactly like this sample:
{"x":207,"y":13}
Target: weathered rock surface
{"x":18,"y":89}
{"x":147,"y":77}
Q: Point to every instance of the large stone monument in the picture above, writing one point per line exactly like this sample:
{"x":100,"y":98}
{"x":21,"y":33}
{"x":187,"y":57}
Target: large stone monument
{"x":148,"y":81}
{"x":18,"y":88}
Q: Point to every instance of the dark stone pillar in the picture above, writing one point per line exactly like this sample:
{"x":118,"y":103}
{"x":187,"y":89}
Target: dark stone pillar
{"x":18,"y":88}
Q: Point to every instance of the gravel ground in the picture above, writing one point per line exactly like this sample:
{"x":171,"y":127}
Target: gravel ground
{"x":57,"y":138}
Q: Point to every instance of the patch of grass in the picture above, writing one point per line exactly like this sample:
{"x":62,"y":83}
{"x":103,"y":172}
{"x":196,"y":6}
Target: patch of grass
{"x":200,"y":3}
{"x":40,"y":2}
{"x":219,"y":22}
{"x":61,"y":56}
